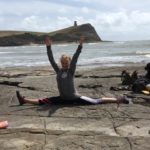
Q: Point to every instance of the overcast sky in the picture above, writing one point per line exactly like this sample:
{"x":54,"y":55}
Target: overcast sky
{"x":116,"y":20}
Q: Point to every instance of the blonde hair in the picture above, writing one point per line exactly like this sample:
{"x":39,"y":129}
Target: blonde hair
{"x":65,"y":58}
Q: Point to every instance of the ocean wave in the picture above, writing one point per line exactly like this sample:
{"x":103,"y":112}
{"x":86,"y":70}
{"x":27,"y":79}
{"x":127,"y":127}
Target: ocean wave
{"x":103,"y":54}
{"x":63,"y":45}
{"x":148,"y":55}
{"x":114,"y":60}
{"x":24,"y":64}
{"x":142,"y":52}
{"x":119,"y":42}
{"x":6,"y":52}
{"x":92,"y":43}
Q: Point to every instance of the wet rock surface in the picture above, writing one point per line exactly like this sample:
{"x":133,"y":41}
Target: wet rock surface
{"x":71,"y":127}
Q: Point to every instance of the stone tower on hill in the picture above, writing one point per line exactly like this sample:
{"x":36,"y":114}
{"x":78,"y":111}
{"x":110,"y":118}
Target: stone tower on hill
{"x":75,"y":24}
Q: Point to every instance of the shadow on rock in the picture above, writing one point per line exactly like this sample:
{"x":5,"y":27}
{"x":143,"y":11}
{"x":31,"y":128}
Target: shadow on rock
{"x":53,"y":108}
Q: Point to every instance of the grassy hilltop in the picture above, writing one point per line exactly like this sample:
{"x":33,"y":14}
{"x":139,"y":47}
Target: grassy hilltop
{"x":70,"y":34}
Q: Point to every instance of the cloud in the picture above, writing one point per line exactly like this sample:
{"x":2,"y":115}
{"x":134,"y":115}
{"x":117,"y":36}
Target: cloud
{"x":113,"y":20}
{"x":85,"y":10}
{"x":122,"y":23}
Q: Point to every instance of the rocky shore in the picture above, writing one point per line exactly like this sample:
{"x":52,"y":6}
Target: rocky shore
{"x":72,"y":127}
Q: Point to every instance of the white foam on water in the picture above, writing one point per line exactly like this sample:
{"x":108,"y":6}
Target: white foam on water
{"x":148,"y":55}
{"x":103,"y":54}
{"x":93,"y":43}
{"x":6,"y":52}
{"x":119,"y":42}
{"x":143,"y":52}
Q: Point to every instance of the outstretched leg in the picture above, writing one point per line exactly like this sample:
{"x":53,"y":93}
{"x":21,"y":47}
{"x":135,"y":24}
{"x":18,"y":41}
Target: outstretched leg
{"x":121,"y":99}
{"x":104,"y":100}
{"x":109,"y":100}
{"x":52,"y":100}
{"x":22,"y":100}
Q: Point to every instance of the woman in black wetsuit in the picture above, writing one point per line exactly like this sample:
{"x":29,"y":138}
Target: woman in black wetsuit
{"x":65,"y":82}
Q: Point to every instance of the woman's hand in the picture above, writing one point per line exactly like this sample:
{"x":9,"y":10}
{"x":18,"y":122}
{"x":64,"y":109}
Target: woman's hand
{"x":81,"y":40}
{"x":48,"y":41}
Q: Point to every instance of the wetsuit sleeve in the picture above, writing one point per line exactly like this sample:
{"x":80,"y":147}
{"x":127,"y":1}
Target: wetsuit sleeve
{"x":51,"y":59}
{"x":74,"y":60}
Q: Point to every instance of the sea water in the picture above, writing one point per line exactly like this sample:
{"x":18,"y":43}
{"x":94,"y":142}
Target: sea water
{"x":104,"y":54}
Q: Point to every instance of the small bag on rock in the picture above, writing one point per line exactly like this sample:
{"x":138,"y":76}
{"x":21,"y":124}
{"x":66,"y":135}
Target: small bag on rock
{"x":128,"y":79}
{"x":140,"y":84}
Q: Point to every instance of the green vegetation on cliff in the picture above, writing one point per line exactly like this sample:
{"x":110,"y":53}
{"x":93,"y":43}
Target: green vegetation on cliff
{"x":71,"y":34}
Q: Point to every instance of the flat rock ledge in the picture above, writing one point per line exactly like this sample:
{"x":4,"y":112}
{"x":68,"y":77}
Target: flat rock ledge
{"x":71,"y":127}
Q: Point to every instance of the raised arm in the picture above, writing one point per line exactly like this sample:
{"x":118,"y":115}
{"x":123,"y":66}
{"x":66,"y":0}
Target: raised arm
{"x":48,"y":43}
{"x":76,"y":55}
